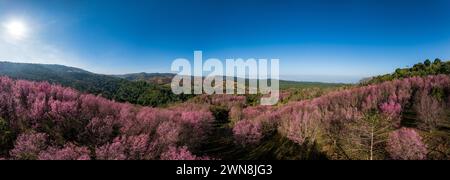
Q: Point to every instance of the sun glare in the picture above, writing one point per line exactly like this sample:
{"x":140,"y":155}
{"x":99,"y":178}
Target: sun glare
{"x":16,"y":29}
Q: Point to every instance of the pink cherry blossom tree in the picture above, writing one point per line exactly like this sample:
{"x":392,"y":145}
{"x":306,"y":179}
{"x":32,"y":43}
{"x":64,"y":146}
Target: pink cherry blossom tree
{"x":127,"y":148}
{"x":181,"y":153}
{"x":29,"y":145}
{"x":247,"y":132}
{"x":68,"y":152}
{"x":406,"y":144}
{"x":430,"y":112}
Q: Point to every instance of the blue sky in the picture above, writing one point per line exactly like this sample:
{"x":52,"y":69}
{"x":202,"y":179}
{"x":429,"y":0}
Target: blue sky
{"x":320,"y":40}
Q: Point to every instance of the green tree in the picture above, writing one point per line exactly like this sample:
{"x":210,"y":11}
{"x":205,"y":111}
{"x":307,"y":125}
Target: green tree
{"x":445,"y":69}
{"x":437,"y":61}
{"x":400,"y":73}
{"x":427,"y":63}
{"x":6,"y":139}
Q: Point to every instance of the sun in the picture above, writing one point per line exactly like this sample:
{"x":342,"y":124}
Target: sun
{"x":16,"y":29}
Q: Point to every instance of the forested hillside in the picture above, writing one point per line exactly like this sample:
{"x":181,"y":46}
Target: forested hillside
{"x":420,"y":69}
{"x":153,"y":78}
{"x":114,"y":88}
{"x":44,"y":121}
{"x":147,"y":89}
{"x":400,"y":119}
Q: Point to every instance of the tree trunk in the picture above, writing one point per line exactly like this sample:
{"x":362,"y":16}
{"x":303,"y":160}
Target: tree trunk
{"x":371,"y":144}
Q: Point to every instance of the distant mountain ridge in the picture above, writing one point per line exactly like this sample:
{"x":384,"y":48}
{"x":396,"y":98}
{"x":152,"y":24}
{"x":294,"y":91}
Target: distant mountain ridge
{"x":67,"y":76}
{"x":111,"y":87}
{"x":148,"y":89}
{"x":166,"y":78}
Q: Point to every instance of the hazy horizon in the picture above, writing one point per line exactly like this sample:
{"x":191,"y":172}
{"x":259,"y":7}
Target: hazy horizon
{"x":298,"y":78}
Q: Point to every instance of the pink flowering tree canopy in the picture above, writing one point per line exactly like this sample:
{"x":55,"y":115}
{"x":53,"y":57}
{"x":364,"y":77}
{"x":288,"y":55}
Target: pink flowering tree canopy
{"x":39,"y":120}
{"x":29,"y":145}
{"x":406,"y":144}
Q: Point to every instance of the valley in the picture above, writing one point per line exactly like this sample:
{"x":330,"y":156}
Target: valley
{"x":59,"y":112}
